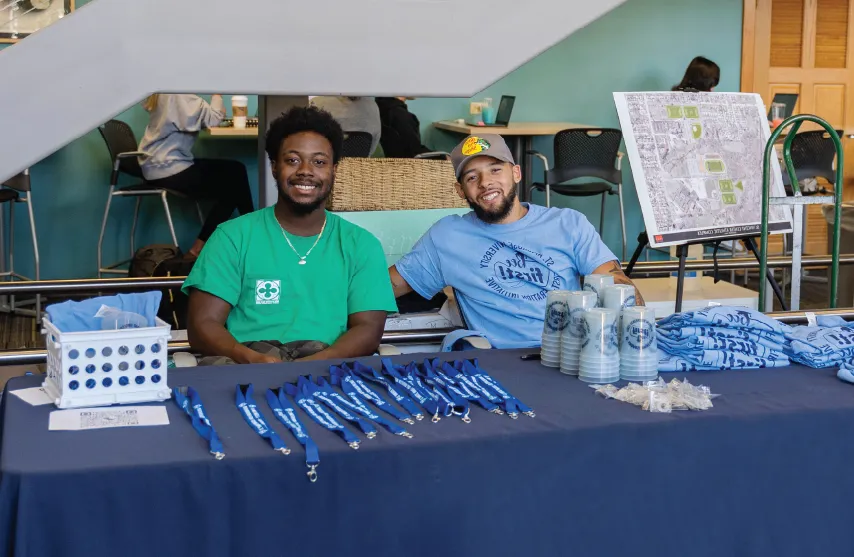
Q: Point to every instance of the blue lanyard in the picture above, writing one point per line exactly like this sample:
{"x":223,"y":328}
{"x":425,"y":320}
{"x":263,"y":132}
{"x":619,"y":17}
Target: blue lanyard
{"x":481,"y":395}
{"x":423,"y":398}
{"x":512,"y":405}
{"x":305,"y":385}
{"x":355,"y":388}
{"x":249,"y":411}
{"x":371,"y":374}
{"x":287,"y":414}
{"x":319,"y":414}
{"x":459,"y":406}
{"x":191,"y":403}
{"x":358,"y":406}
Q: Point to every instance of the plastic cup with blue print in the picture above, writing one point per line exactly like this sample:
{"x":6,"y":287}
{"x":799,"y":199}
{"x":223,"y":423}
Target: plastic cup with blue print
{"x":576,"y":331}
{"x":557,"y":313}
{"x":638,"y":335}
{"x":619,"y":297}
{"x":596,"y":283}
{"x":602,"y":335}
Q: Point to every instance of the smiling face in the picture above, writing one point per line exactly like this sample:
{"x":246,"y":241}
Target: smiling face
{"x":304,"y":171}
{"x":489,"y":187}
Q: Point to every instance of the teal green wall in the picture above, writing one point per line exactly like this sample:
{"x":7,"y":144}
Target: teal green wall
{"x":642,"y":45}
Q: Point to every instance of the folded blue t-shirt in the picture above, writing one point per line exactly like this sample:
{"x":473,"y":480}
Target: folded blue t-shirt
{"x":502,"y":272}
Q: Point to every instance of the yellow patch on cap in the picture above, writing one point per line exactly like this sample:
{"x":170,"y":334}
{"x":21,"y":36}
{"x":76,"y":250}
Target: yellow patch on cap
{"x":475,"y":145}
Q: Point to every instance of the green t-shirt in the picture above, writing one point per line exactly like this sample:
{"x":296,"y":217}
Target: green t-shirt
{"x":247,"y":262}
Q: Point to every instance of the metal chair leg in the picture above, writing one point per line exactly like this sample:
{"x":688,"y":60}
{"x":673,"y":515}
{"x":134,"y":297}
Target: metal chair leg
{"x":12,"y":252}
{"x":622,"y":217}
{"x":169,"y":218}
{"x":35,"y":253}
{"x":103,"y":230}
{"x":201,"y":215}
{"x":133,"y":226}
{"x":602,"y":217}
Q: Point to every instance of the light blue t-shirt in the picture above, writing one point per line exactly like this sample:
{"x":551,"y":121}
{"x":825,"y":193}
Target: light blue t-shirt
{"x":502,"y":272}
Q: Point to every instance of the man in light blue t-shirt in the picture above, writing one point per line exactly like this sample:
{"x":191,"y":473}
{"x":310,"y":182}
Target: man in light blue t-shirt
{"x":504,"y":256}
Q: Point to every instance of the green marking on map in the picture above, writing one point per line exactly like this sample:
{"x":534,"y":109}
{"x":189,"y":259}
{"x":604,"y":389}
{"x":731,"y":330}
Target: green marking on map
{"x":729,"y":199}
{"x":725,"y":186}
{"x":692,"y":112}
{"x":697,"y":131}
{"x":739,"y":185}
{"x":715,"y":166}
{"x":674,"y":111}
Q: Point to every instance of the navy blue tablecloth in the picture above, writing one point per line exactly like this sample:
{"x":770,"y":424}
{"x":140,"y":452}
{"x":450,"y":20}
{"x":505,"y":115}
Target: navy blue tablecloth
{"x":769,"y":471}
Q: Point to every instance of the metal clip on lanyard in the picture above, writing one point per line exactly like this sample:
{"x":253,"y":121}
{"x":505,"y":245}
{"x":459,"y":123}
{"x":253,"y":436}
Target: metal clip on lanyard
{"x":512,"y":404}
{"x":423,"y":398}
{"x":319,"y":414}
{"x":190,"y":402}
{"x":358,"y":406}
{"x":305,"y":385}
{"x":373,"y":375}
{"x":459,"y":406}
{"x":249,"y":411}
{"x":481,"y":395}
{"x":355,"y":388}
{"x":287,"y":414}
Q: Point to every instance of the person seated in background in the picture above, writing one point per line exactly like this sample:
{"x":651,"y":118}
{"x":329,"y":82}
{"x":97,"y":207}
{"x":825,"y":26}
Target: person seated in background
{"x":173,"y":125}
{"x":291,"y":281}
{"x":401,"y":137}
{"x":701,"y":75}
{"x":504,"y":256}
{"x":355,"y":114}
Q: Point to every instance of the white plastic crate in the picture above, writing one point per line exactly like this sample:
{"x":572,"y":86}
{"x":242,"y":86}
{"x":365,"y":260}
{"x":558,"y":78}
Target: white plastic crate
{"x":99,"y":368}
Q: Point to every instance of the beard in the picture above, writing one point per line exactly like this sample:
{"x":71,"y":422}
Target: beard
{"x":302,"y":209}
{"x":494,"y":215}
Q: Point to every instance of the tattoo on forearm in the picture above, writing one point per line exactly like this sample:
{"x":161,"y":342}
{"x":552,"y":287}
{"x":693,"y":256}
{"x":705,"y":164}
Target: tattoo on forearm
{"x":620,"y":277}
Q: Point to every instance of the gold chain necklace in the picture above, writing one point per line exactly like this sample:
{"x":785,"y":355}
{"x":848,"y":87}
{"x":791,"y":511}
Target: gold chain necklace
{"x":302,"y":257}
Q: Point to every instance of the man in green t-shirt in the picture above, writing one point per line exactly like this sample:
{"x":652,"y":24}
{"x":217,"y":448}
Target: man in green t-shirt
{"x":291,"y":276}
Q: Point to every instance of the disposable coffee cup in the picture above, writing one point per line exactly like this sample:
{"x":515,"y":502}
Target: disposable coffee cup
{"x":239,"y":110}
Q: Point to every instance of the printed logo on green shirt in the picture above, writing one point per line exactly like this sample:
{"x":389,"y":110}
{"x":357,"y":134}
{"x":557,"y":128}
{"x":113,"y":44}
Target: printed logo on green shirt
{"x":267,"y":292}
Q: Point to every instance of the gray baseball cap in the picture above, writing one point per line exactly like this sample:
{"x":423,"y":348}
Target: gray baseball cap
{"x":486,"y":145}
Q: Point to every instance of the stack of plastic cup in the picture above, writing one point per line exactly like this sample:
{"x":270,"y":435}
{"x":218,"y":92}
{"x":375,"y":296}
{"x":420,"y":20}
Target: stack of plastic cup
{"x":600,"y":354}
{"x":639,"y":350}
{"x":574,"y":333}
{"x":555,"y":321}
{"x":596,"y":283}
{"x":619,"y":297}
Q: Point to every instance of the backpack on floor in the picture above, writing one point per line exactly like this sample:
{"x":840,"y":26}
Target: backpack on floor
{"x":175,"y":304}
{"x":165,"y":260}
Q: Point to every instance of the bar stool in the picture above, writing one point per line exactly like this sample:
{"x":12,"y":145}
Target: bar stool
{"x":122,"y":145}
{"x":18,"y":190}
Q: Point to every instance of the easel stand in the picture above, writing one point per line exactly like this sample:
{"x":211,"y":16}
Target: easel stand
{"x":682,"y":254}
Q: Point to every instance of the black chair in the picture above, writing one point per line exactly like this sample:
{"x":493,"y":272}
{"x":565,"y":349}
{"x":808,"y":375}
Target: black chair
{"x":580,"y":155}
{"x":435,"y":156}
{"x":122,"y":145}
{"x":17,"y":189}
{"x":357,"y":144}
{"x":813,"y":153}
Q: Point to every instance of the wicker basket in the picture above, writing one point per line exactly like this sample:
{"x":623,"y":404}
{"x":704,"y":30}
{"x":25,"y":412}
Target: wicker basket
{"x":385,"y":184}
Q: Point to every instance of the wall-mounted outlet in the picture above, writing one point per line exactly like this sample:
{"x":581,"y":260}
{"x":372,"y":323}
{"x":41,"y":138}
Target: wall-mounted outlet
{"x":475,"y":108}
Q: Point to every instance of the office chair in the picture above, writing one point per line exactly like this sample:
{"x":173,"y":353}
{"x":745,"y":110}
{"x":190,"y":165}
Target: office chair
{"x":357,"y":144}
{"x":586,"y":153}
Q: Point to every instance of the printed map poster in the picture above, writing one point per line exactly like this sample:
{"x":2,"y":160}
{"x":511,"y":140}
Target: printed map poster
{"x":697,"y":164}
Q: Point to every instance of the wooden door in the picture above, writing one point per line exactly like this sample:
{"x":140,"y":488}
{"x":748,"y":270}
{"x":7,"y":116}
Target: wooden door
{"x":805,"y":47}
